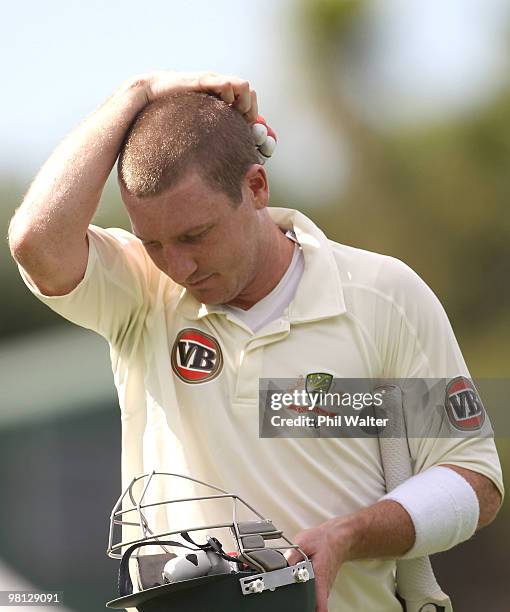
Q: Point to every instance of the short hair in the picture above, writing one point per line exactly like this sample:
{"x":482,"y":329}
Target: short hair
{"x":181,"y":132}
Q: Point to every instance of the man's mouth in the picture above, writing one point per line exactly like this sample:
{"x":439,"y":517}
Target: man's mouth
{"x":199,"y":282}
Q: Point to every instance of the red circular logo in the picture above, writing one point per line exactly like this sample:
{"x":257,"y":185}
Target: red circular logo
{"x":463,"y":404}
{"x":196,"y":356}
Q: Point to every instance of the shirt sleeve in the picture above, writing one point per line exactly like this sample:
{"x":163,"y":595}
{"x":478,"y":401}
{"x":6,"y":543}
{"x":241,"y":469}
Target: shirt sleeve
{"x":113,"y":294}
{"x":417,"y":341}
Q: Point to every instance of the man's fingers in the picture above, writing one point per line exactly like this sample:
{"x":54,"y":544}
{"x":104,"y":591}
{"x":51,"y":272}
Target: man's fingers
{"x":227,"y":93}
{"x":217,"y":84}
{"x":252,"y":114}
{"x":321,"y":595}
{"x":320,"y":572}
{"x":231,"y":89}
{"x":243,"y":99}
{"x":321,"y":605}
{"x":293,"y":556}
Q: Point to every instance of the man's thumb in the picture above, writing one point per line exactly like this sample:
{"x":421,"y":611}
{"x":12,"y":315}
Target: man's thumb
{"x":293,"y":556}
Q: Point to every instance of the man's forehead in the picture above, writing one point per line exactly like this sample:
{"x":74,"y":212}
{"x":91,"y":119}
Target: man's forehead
{"x":175,"y":213}
{"x":190,"y":187}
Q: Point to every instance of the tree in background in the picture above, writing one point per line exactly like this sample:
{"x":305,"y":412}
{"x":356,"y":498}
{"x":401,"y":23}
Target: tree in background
{"x":436,"y":197}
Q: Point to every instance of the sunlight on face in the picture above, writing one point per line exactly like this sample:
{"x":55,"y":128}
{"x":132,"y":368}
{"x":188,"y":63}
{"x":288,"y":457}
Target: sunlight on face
{"x":199,"y":238}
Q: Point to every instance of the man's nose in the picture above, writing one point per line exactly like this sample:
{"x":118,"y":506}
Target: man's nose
{"x":180,"y":264}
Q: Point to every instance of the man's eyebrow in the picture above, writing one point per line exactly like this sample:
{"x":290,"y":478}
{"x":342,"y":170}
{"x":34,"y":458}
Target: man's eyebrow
{"x":197,"y":228}
{"x":191,"y":230}
{"x":139,"y":237}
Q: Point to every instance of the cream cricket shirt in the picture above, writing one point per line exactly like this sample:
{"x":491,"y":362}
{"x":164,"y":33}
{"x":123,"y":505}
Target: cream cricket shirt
{"x":187,"y":379}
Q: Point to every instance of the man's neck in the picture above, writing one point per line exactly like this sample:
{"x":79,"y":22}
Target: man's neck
{"x":274,"y":262}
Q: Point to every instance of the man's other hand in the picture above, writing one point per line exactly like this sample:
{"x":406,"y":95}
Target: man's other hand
{"x":327,"y":547}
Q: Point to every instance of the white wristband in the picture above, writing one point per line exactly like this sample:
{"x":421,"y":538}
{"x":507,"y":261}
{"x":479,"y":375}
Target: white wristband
{"x":443,"y":506}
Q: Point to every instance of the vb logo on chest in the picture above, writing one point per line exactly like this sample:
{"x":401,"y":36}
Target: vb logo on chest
{"x":196,"y":356}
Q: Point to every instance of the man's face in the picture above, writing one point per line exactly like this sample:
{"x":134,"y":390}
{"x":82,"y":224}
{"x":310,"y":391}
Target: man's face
{"x":196,"y":236}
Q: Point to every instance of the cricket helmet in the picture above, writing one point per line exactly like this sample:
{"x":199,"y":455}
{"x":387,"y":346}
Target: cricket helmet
{"x":187,"y":575}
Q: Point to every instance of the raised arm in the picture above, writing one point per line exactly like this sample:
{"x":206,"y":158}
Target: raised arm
{"x":47,"y":234}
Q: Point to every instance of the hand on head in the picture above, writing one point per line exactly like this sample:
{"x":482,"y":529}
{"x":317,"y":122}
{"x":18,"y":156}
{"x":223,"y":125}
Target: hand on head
{"x":231,"y":89}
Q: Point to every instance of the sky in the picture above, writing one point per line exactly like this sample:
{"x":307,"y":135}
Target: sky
{"x":436,"y":58}
{"x":62,"y":58}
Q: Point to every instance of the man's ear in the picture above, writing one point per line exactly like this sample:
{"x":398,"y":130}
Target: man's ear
{"x":256,"y":184}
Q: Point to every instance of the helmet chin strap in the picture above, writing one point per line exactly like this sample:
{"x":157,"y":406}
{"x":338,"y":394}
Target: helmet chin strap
{"x":213,"y":545}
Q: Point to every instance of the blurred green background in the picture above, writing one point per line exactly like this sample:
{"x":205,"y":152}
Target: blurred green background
{"x":394,"y":126}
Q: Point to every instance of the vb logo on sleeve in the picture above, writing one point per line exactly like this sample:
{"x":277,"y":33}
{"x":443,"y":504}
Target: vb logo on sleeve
{"x":463,"y":405}
{"x":196,"y":356}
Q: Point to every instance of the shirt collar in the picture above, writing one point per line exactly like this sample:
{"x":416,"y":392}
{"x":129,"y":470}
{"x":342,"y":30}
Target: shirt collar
{"x":319,"y":294}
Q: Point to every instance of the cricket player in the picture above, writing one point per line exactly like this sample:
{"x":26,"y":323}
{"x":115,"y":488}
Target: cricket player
{"x":212,"y":290}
